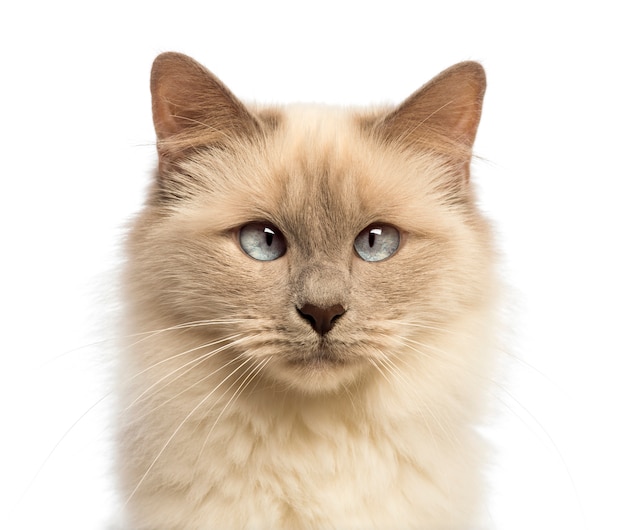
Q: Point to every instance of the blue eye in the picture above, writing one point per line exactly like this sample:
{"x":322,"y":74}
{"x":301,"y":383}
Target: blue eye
{"x":377,"y":242}
{"x":262,"y":241}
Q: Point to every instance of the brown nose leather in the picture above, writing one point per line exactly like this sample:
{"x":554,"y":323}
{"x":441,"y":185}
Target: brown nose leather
{"x":321,"y":319}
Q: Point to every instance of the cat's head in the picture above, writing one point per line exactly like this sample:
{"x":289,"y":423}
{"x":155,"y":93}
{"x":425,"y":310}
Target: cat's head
{"x":321,"y":241}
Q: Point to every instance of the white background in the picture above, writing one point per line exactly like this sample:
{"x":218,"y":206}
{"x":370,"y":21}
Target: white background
{"x":77,"y":150}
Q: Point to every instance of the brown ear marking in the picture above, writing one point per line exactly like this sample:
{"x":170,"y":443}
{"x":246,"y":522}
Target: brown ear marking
{"x":443,"y":115}
{"x":191,"y":106}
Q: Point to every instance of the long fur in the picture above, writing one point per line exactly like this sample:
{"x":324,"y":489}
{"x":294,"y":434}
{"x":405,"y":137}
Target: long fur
{"x":234,"y":412}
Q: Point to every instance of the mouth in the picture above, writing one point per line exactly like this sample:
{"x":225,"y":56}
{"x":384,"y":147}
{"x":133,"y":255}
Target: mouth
{"x":319,"y":368}
{"x":320,"y":358}
{"x":321,"y":355}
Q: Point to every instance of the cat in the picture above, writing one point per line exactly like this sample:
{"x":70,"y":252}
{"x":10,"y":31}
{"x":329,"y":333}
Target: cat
{"x":311,"y":295}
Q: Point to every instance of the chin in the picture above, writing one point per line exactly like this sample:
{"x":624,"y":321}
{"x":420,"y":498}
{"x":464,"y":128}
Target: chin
{"x":317,"y":374}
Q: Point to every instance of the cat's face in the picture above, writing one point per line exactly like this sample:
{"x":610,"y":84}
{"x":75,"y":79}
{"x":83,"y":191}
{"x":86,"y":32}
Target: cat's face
{"x":315,"y":236}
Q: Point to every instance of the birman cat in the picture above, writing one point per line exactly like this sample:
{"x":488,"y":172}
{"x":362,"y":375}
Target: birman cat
{"x":310,"y":302}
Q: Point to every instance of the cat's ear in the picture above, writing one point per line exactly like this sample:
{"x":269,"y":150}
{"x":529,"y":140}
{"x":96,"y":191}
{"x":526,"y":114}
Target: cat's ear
{"x":443,"y":115}
{"x":190,"y":106}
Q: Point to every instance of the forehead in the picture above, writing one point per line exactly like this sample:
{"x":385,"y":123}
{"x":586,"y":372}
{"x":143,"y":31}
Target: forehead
{"x":319,"y":171}
{"x":332,"y":175}
{"x":318,"y":177}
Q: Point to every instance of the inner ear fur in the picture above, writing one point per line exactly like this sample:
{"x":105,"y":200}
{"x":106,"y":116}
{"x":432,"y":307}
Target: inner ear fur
{"x":443,"y":115}
{"x":192,"y":107}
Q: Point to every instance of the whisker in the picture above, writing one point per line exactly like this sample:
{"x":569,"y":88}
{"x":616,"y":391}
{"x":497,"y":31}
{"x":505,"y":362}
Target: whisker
{"x":172,"y":436}
{"x":251,"y":372}
{"x":145,"y":335}
{"x":193,"y":363}
{"x":442,"y":355}
{"x":142,"y":336}
{"x":349,"y":394}
{"x":267,"y":359}
{"x":379,"y":369}
{"x":503,"y":390}
{"x":435,"y":353}
{"x":449,"y":331}
{"x":400,"y":376}
{"x":200,"y":381}
{"x":429,"y":327}
{"x":56,"y":446}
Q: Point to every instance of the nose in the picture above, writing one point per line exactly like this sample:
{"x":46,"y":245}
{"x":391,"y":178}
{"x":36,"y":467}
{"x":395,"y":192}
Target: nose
{"x":321,"y":319}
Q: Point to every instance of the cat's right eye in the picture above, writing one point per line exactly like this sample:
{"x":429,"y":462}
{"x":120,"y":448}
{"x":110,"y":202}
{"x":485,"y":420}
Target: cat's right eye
{"x":262,"y":241}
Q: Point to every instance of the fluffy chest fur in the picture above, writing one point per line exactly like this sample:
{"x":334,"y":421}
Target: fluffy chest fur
{"x":383,"y":455}
{"x":310,"y":299}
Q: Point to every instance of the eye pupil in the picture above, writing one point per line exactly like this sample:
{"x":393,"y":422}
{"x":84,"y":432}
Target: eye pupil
{"x":372,"y":235}
{"x":377,"y":243}
{"x":262,"y":242}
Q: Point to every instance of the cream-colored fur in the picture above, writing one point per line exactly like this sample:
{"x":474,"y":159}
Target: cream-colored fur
{"x":234,"y":412}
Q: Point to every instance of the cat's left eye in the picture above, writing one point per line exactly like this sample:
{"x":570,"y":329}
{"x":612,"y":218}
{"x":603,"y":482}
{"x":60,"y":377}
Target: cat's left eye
{"x":377,"y":242}
{"x":262,"y":241}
